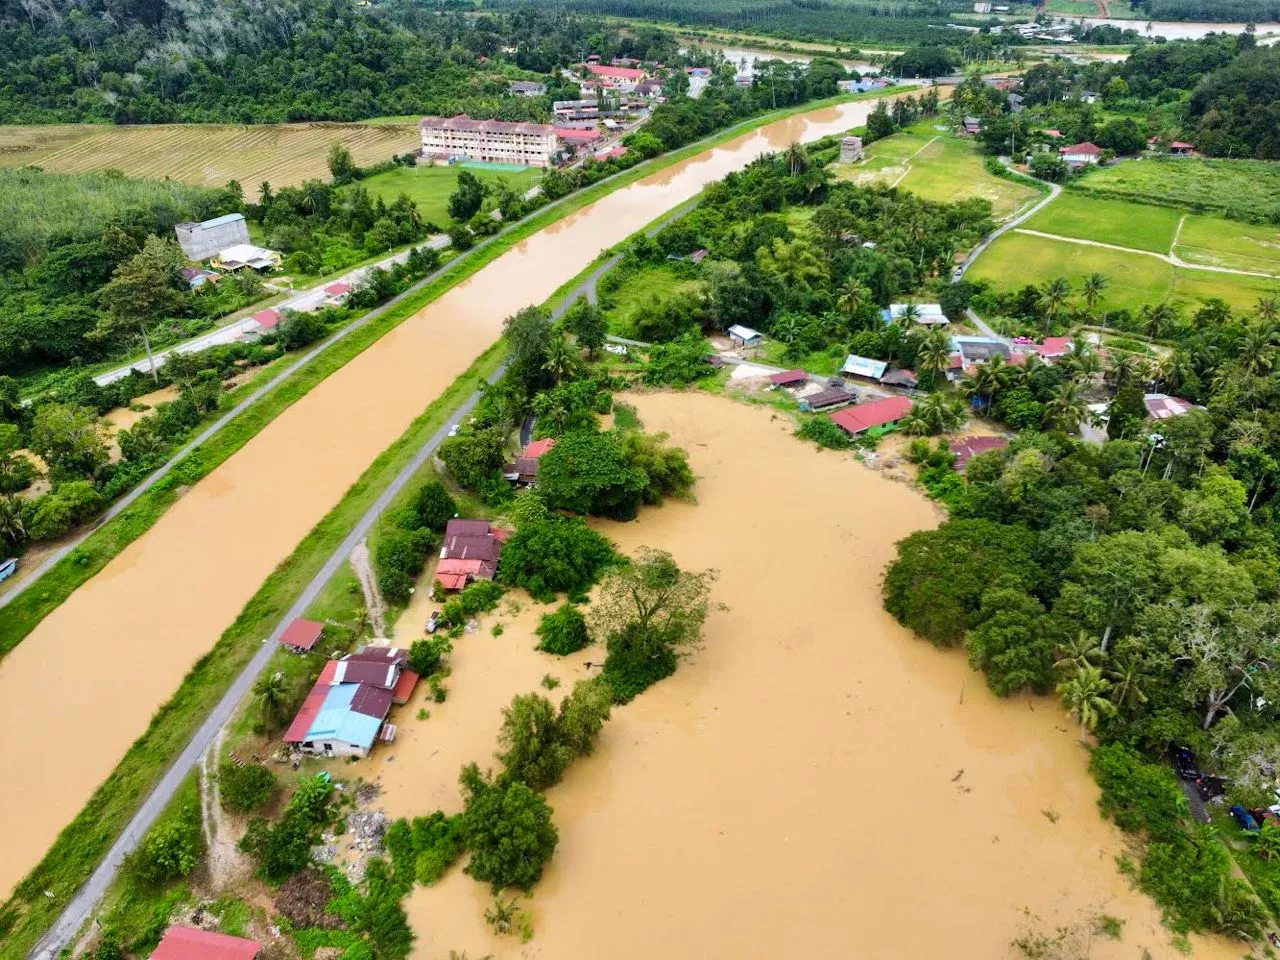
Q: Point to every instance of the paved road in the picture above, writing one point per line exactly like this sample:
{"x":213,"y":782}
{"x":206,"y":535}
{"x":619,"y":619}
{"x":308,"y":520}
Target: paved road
{"x":977,"y":321}
{"x":79,"y":910}
{"x":304,"y":300}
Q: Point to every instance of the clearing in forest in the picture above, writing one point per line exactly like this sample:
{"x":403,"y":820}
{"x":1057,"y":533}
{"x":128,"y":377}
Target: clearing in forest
{"x":208,"y":154}
{"x":430,"y":187}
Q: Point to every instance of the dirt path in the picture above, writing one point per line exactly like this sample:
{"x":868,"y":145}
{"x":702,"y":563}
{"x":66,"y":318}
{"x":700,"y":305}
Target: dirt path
{"x":362,"y":563}
{"x":226,"y":862}
{"x":1170,"y":258}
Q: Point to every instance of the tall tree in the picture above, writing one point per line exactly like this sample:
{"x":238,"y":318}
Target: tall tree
{"x":143,"y":289}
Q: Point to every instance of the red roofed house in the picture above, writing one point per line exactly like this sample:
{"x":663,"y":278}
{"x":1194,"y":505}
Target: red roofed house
{"x":524,"y":469}
{"x":267,"y":319}
{"x":867,"y":416}
{"x":966,"y":448}
{"x":1080,"y":154}
{"x":789,"y":378}
{"x":576,"y":138}
{"x":1180,"y":148}
{"x":336,"y":293}
{"x":301,"y":635}
{"x":188,"y":943}
{"x":1054,"y":348}
{"x":471,"y":550}
{"x":618,"y":78}
{"x":618,"y":150}
{"x":1161,"y":406}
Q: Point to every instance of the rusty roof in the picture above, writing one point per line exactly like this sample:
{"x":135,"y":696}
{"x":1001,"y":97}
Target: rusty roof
{"x":463,"y":123}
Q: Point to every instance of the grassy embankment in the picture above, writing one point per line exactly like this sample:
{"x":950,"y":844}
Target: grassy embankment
{"x":81,"y":845}
{"x":429,"y":187}
{"x":938,"y":166}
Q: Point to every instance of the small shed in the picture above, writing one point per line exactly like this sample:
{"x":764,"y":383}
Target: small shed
{"x":971,"y":126}
{"x":745,"y":336}
{"x":301,"y":636}
{"x":789,"y":378}
{"x":906,"y":379}
{"x":827,"y":400}
{"x":965,"y":449}
{"x":267,"y":319}
{"x":1161,"y":406}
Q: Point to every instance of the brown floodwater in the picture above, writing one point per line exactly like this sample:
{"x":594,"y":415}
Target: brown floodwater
{"x":814,"y":782}
{"x":83,"y":685}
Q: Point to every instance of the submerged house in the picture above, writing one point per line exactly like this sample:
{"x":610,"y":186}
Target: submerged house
{"x":878,"y":414}
{"x":524,"y":469}
{"x":470,"y":552}
{"x":192,"y":943}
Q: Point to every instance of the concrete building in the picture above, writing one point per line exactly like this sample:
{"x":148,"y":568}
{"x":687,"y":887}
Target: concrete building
{"x":850,"y":149}
{"x":200,"y":241}
{"x":489,"y":141}
{"x":527,"y":88}
{"x":1080,"y":154}
{"x":566,"y":110}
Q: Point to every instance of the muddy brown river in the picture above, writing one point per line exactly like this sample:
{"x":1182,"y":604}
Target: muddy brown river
{"x":83,"y":685}
{"x":816,"y":782}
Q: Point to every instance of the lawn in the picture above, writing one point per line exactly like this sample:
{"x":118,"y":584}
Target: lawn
{"x":430,"y":187}
{"x":1140,"y":226}
{"x":1017,"y":259}
{"x":1245,"y":185}
{"x":1229,"y":243}
{"x":201,"y":153}
{"x":938,"y":166}
{"x":638,"y":288}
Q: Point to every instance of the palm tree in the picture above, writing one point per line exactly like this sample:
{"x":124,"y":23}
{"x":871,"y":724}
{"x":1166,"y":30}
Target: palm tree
{"x":1154,"y":321}
{"x":989,"y":379}
{"x":1126,"y":683}
{"x":1268,"y":309}
{"x":1084,"y":362}
{"x":1066,"y":409}
{"x":797,"y":159}
{"x":1053,"y":297}
{"x":853,"y":299}
{"x":909,"y":315}
{"x":562,"y":359}
{"x":1256,"y":349}
{"x":786,"y":328}
{"x":934,"y":414}
{"x":1075,"y":655}
{"x":1094,"y":285}
{"x":272,"y":694}
{"x":1085,"y":697}
{"x":13,"y":524}
{"x":1122,"y":369}
{"x":934,"y":352}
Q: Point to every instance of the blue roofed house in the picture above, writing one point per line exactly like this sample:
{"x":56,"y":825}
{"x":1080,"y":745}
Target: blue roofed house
{"x":346,"y":711}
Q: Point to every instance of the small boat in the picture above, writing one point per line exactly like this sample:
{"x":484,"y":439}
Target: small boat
{"x":8,"y":567}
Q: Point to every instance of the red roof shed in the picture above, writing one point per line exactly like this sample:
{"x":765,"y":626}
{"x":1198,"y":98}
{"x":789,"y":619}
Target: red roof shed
{"x":301,"y":634}
{"x":877,"y":413}
{"x":966,"y":448}
{"x":267,"y":319}
{"x":788,"y":378}
{"x":188,"y":943}
{"x":538,"y":447}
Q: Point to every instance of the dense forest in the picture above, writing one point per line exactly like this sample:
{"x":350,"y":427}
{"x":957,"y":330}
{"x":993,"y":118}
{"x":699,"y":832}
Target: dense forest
{"x":249,"y":62}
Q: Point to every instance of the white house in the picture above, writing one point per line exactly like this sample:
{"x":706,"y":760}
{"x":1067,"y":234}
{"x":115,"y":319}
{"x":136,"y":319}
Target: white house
{"x":246,"y":255}
{"x":1080,"y":154}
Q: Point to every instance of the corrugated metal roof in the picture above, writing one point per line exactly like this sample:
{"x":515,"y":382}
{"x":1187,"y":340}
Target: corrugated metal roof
{"x":788,"y":377}
{"x":825,"y":399}
{"x":219,"y":221}
{"x":297,"y":731}
{"x":538,"y":447}
{"x":744,"y":333}
{"x":877,"y":413}
{"x":188,"y":943}
{"x":404,"y":686}
{"x":302,"y":634}
{"x":966,"y":448}
{"x":337,"y":720}
{"x":864,"y":367}
{"x":362,"y":671}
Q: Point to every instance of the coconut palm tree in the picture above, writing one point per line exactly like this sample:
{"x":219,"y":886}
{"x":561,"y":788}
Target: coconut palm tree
{"x":934,"y":414}
{"x":1268,"y":309}
{"x":1066,"y":409}
{"x":797,"y":159}
{"x":1122,"y":369}
{"x":1126,"y":683}
{"x":1053,"y":297}
{"x":1094,"y":285}
{"x":1256,"y":349}
{"x":1155,"y":321}
{"x":1085,"y":697}
{"x":13,"y":524}
{"x":934,"y":352}
{"x":272,"y":695}
{"x":1084,"y":362}
{"x":562,"y":359}
{"x":909,"y":315}
{"x":988,"y":380}
{"x":1075,"y":655}
{"x":854,"y":297}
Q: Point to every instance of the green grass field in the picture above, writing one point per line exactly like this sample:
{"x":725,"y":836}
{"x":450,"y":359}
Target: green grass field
{"x":1185,"y":182}
{"x":1229,"y":243}
{"x":658,"y":282}
{"x":429,"y":187}
{"x":1140,"y":226}
{"x":1017,"y":259}
{"x":938,"y":166}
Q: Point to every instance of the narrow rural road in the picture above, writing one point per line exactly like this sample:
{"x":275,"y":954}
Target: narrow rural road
{"x":977,"y":321}
{"x":1170,"y":258}
{"x":306,"y":301}
{"x":82,"y":905}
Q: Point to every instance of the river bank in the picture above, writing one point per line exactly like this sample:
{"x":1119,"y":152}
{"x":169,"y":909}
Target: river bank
{"x":814,"y":757}
{"x":162,"y":603}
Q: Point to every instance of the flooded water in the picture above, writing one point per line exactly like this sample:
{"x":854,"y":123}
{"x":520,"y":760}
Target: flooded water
{"x":815,"y":782}
{"x":1176,"y":29}
{"x":121,"y":644}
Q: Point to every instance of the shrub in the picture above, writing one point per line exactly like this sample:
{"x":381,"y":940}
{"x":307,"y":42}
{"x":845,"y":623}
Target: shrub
{"x":564,"y":631}
{"x":480,"y":596}
{"x":173,"y":847}
{"x":246,"y":788}
{"x":434,"y":506}
{"x":399,"y":557}
{"x":824,"y":433}
{"x":427,"y":654}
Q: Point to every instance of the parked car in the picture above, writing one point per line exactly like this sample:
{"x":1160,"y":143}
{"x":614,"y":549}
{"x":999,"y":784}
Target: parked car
{"x":8,"y":568}
{"x":1184,"y":761}
{"x":1245,"y":819}
{"x":434,"y":623}
{"x":453,"y":431}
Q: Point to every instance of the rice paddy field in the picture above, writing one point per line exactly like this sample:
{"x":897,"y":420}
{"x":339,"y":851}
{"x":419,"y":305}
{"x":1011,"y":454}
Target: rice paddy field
{"x":1229,"y":243}
{"x":204,"y":154}
{"x":938,"y":166}
{"x":430,"y":187}
{"x":1017,"y":259}
{"x":1190,"y":182}
{"x":1140,"y":226}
